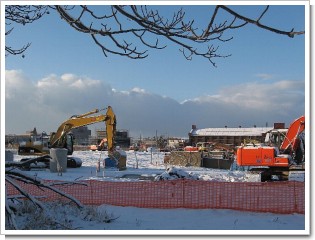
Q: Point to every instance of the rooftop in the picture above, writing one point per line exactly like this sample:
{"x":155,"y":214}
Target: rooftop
{"x":254,"y":131}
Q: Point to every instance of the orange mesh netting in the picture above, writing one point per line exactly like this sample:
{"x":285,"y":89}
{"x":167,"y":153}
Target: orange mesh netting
{"x":277,"y":197}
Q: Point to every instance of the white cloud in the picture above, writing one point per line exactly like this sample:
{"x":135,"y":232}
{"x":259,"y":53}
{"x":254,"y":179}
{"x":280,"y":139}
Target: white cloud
{"x":259,"y":95}
{"x":49,"y":101}
{"x":17,"y":85}
{"x":264,"y":76}
{"x":255,"y":103}
{"x":138,"y":90}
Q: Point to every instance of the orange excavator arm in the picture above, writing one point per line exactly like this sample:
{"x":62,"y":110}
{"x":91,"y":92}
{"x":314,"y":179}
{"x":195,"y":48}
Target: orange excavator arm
{"x":291,"y":140}
{"x":58,"y":139}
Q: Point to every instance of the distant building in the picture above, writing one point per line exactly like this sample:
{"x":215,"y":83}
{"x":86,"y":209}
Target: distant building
{"x":230,"y":136}
{"x":100,"y":134}
{"x":122,"y":138}
{"x":32,"y":132}
{"x":31,"y":135}
{"x":81,"y":135}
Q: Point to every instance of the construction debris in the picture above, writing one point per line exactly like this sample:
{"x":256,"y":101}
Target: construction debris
{"x":175,"y":173}
{"x":183,"y":158}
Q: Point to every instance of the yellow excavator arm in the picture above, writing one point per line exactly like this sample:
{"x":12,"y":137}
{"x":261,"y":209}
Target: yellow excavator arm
{"x":58,"y":139}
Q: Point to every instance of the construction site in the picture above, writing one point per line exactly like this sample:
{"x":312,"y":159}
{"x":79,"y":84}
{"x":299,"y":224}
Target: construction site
{"x":255,"y":169}
{"x":156,"y":116}
{"x":277,"y":149}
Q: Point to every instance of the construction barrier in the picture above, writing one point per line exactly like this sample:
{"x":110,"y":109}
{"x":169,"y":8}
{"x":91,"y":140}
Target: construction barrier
{"x":275,"y":197}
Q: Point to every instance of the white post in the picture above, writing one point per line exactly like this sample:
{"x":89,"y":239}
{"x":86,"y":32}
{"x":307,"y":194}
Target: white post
{"x":98,"y":166}
{"x":58,"y":161}
{"x":8,"y":156}
{"x":136,"y":160}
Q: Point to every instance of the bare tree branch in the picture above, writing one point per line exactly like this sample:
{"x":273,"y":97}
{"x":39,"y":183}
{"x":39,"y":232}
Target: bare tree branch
{"x":291,"y":33}
{"x":22,"y":14}
{"x":14,"y":177}
{"x":25,"y":193}
{"x":13,"y":174}
{"x":129,"y":31}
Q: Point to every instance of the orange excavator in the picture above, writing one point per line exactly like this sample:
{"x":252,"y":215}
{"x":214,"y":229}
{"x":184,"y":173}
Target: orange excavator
{"x":101,"y":146}
{"x":274,"y":161}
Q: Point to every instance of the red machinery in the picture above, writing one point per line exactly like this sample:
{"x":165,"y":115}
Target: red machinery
{"x":289,"y":156}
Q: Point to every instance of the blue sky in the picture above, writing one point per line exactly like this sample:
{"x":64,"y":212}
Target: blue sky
{"x":261,"y":82}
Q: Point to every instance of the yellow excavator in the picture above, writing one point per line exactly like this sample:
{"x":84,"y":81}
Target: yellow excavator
{"x":63,"y":137}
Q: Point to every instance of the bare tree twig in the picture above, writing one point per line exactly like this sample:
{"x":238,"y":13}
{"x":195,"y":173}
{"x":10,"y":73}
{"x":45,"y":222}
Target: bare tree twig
{"x":129,"y":31}
{"x":22,"y":14}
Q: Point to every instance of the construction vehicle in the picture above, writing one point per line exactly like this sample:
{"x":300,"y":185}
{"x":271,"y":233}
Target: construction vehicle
{"x":100,"y":147}
{"x":63,"y":138}
{"x":191,"y":149}
{"x":273,"y":162}
{"x":203,"y":146}
{"x":36,"y":145}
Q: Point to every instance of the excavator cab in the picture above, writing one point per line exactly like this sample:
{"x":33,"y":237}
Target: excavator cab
{"x":66,"y":141}
{"x":69,"y":143}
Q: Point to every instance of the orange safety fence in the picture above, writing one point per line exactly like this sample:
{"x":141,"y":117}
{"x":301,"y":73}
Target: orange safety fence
{"x":276,"y":197}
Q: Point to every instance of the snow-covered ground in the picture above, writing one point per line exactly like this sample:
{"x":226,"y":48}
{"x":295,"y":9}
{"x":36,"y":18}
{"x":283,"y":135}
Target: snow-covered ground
{"x":144,"y":165}
{"x":137,"y":221}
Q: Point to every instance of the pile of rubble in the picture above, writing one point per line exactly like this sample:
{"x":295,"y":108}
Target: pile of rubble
{"x":175,"y":173}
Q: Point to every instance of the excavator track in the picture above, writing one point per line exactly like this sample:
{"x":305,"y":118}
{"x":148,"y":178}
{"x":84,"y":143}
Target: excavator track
{"x":277,"y":173}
